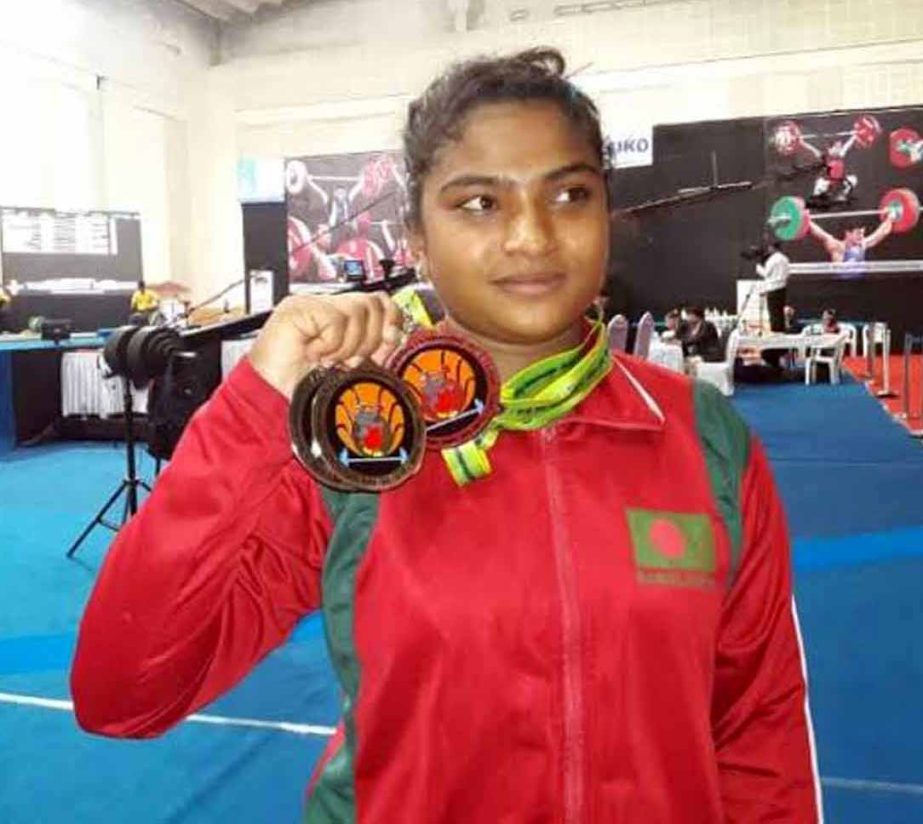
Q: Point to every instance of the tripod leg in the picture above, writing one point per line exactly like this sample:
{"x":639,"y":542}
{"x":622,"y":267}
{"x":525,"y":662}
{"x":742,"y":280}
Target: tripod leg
{"x":98,"y":519}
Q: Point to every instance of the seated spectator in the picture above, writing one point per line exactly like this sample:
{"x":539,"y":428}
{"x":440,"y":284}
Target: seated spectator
{"x":792,"y":326}
{"x":673,"y":323}
{"x":144,"y":303}
{"x":699,"y":337}
{"x":828,"y":322}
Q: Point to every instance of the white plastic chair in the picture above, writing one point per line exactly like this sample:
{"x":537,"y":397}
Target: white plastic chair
{"x":643,"y":336}
{"x":852,"y":337}
{"x":834,"y":361}
{"x":873,"y":334}
{"x":618,"y":333}
{"x":721,"y":374}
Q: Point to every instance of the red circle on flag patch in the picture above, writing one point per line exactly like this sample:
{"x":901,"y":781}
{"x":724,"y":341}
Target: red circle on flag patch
{"x":667,"y":538}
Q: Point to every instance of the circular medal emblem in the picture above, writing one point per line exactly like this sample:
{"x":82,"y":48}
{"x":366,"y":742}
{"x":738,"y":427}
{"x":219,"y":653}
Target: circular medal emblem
{"x":368,"y":428}
{"x":301,"y":430}
{"x":455,"y":384}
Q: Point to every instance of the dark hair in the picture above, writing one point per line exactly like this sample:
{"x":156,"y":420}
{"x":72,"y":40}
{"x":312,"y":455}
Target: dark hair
{"x":698,"y":311}
{"x":673,"y":314}
{"x":436,"y":117}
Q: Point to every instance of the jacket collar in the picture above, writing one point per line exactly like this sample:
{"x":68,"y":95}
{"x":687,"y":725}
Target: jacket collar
{"x":620,"y":402}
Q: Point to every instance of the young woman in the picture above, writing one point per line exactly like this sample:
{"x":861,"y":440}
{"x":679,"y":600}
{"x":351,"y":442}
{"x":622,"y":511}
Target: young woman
{"x":599,"y":629}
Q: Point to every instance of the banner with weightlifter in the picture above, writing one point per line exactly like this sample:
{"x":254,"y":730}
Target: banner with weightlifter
{"x":846,"y":190}
{"x":345,"y":215}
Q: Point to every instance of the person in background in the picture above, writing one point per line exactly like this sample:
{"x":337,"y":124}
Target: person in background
{"x":6,"y":324}
{"x":700,"y":337}
{"x":828,"y":322}
{"x":774,"y":270}
{"x":143,"y":304}
{"x":792,"y":326}
{"x":673,"y":323}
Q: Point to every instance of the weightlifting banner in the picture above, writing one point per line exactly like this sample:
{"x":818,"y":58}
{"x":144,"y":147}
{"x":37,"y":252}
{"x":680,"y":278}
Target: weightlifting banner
{"x":345,"y":214}
{"x":845,"y":191}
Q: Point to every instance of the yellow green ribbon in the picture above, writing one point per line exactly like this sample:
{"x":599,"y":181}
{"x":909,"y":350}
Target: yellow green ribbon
{"x":534,"y":397}
{"x":411,"y":304}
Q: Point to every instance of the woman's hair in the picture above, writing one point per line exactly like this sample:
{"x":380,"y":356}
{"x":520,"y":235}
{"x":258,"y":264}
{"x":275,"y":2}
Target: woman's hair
{"x":437,"y":116}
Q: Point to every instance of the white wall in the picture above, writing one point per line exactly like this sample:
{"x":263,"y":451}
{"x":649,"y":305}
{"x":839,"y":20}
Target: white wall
{"x":95,"y":96}
{"x":135,"y":104}
{"x":335,"y":75}
{"x":666,"y":62}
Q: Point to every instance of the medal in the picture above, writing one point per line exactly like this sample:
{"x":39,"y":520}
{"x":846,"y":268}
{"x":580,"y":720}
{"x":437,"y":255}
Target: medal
{"x":366,"y":429}
{"x":455,"y":382}
{"x":357,"y":430}
{"x":301,"y":429}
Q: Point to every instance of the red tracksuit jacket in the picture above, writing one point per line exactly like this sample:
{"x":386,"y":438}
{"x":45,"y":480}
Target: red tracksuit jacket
{"x":600,"y":631}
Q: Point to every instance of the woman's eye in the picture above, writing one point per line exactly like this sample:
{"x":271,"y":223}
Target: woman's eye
{"x":572,"y":194}
{"x":478,"y":204}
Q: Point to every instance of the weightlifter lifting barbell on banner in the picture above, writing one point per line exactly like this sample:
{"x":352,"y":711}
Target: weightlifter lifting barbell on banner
{"x":374,"y":178}
{"x":899,"y":210}
{"x":833,"y":185}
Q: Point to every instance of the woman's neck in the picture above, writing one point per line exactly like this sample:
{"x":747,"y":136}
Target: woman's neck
{"x":511,"y":358}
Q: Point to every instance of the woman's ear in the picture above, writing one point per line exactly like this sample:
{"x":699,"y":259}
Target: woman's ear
{"x":418,"y":249}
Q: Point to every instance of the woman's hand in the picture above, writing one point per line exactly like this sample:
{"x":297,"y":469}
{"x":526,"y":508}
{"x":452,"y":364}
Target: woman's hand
{"x":305,"y":331}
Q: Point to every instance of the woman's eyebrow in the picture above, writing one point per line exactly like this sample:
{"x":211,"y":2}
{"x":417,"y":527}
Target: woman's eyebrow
{"x":466,"y":180}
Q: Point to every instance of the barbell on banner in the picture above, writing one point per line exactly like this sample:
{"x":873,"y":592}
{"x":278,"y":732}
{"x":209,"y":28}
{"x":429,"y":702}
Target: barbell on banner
{"x":791,"y":220}
{"x":906,"y":148}
{"x":788,"y":136}
{"x":374,"y":176}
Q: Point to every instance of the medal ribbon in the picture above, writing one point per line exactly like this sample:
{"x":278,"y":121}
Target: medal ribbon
{"x":533,"y":398}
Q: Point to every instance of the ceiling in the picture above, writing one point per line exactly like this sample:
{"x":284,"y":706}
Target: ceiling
{"x":229,"y":9}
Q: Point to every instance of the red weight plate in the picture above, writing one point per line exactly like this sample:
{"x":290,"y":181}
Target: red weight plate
{"x":900,"y":143}
{"x":904,"y":207}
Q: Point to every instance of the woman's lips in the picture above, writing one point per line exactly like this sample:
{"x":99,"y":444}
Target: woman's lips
{"x":530,"y":285}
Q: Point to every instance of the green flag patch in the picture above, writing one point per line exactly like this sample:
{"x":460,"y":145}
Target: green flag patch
{"x":674,"y":543}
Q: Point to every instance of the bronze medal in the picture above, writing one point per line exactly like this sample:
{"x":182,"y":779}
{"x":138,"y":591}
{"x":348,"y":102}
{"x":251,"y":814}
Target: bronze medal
{"x":301,"y":429}
{"x":455,"y":382}
{"x":368,"y":428}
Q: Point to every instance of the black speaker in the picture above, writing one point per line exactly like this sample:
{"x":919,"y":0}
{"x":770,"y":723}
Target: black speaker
{"x":56,"y":330}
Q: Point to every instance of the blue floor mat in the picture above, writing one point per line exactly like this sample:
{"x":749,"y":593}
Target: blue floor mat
{"x":852,"y":483}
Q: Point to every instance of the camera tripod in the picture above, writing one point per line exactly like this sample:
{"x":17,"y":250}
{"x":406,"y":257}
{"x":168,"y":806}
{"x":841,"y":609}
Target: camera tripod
{"x":129,"y":484}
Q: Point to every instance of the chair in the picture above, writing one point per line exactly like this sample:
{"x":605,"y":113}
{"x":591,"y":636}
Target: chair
{"x":643,"y":336}
{"x":873,"y":334}
{"x":852,"y":338}
{"x":618,"y":333}
{"x":833,"y":360}
{"x":721,"y":374}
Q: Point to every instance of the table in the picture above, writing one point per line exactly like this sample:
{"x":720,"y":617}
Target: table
{"x":779,"y":340}
{"x":232,"y":351}
{"x":85,"y":389}
{"x":668,"y":355}
{"x":30,"y":383}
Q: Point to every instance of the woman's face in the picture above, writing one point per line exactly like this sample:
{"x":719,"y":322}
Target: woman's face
{"x":515,"y":229}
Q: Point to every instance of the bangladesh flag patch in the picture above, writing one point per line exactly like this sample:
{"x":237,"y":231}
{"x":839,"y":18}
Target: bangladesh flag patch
{"x":672,"y":548}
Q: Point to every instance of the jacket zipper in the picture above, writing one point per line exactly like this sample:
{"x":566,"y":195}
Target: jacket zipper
{"x":570,"y":624}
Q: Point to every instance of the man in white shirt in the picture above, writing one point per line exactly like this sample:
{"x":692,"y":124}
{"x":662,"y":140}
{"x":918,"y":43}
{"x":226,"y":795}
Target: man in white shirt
{"x":774,"y":270}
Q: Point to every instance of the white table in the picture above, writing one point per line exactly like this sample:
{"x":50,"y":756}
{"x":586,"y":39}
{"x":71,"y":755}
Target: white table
{"x":85,"y":391}
{"x":232,"y":351}
{"x":669,"y":355}
{"x":780,"y":340}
